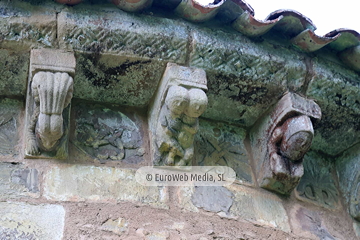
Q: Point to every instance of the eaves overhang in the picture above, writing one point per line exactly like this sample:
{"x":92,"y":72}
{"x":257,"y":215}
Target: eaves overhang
{"x":121,"y":56}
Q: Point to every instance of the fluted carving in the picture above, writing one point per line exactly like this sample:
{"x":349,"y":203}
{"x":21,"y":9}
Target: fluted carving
{"x":50,"y":91}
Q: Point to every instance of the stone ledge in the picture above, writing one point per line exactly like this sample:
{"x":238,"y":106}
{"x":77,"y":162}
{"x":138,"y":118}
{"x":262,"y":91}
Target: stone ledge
{"x":337,"y":91}
{"x":236,"y":202}
{"x":24,"y":26}
{"x":244,"y":77}
{"x":109,"y":30}
{"x":119,"y":60}
{"x":100,"y":184}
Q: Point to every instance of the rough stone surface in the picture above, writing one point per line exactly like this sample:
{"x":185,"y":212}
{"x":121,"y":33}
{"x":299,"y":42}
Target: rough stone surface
{"x":9,"y":114}
{"x":16,"y":181}
{"x":23,"y":25}
{"x":357,"y":228}
{"x":348,"y":170}
{"x":107,"y":134}
{"x":88,"y":28}
{"x":25,"y":221}
{"x":214,"y":199}
{"x":308,"y":224}
{"x":54,"y":60}
{"x":337,"y":91}
{"x":118,"y":226}
{"x":255,"y":206}
{"x":101,"y":184}
{"x":116,"y":79}
{"x":244,"y":78}
{"x":13,"y":72}
{"x":317,"y":185}
{"x":184,"y":198}
{"x":220,"y":144}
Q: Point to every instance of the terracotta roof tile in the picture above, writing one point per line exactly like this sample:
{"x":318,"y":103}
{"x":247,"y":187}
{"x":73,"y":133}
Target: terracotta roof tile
{"x":240,"y":15}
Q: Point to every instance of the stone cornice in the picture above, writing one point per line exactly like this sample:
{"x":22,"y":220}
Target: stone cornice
{"x":121,"y":57}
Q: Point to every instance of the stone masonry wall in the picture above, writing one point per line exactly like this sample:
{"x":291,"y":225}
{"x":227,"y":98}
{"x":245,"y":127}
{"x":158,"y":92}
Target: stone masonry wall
{"x":120,"y":60}
{"x":89,"y":197}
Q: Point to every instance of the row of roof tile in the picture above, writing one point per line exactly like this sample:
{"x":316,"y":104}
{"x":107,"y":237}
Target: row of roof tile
{"x":299,"y":28}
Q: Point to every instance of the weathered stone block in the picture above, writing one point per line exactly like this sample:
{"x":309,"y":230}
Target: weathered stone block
{"x":184,"y":198}
{"x":110,"y":30}
{"x":144,"y":43}
{"x":308,"y":224}
{"x":107,"y":134}
{"x":23,"y":26}
{"x":236,"y":201}
{"x":16,"y":181}
{"x":101,"y":184}
{"x":260,"y":207}
{"x":337,"y":90}
{"x":116,"y":79}
{"x":9,"y":114}
{"x":348,"y":170}
{"x":220,"y":144}
{"x":214,"y":199}
{"x":244,"y":78}
{"x":13,"y":72}
{"x":25,"y":221}
{"x":317,"y":185}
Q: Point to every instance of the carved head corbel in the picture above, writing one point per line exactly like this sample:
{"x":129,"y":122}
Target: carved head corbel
{"x":281,"y":142}
{"x":288,"y":145}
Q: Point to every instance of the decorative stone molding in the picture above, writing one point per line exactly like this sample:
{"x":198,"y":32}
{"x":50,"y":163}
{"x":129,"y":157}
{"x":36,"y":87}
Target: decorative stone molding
{"x":50,"y":89}
{"x":107,"y":134}
{"x":348,"y":172}
{"x":177,"y":106}
{"x":221,"y":144}
{"x":280,"y":141}
{"x":317,"y":185}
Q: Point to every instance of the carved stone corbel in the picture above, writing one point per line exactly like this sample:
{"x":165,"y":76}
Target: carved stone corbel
{"x":173,"y":121}
{"x":50,"y":89}
{"x":280,"y":141}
